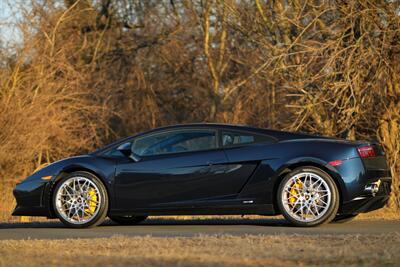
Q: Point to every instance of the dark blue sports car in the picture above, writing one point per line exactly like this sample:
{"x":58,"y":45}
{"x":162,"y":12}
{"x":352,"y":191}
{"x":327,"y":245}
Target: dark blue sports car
{"x":211,"y":169}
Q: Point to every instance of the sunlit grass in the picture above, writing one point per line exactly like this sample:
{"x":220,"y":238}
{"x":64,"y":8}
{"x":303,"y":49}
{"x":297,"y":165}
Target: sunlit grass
{"x":224,"y":250}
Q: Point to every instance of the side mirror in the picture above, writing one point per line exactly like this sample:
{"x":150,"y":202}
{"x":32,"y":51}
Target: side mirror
{"x":126,"y":149}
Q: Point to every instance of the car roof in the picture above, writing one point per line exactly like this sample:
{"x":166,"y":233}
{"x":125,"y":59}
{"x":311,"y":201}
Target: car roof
{"x":280,"y":135}
{"x":210,"y":125}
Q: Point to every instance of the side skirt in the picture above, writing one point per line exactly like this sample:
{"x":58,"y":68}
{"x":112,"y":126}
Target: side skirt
{"x":260,"y":209}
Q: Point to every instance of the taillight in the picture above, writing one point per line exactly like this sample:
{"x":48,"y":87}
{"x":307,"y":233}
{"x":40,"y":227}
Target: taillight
{"x":366,"y":151}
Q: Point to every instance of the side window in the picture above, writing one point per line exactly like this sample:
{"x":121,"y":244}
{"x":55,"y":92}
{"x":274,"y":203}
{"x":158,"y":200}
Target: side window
{"x":175,"y":142}
{"x":114,"y":153}
{"x":231,"y":138}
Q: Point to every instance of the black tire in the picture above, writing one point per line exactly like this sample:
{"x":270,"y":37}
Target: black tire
{"x":344,"y":218}
{"x":128,"y":220}
{"x":102,"y":210}
{"x":331,"y":210}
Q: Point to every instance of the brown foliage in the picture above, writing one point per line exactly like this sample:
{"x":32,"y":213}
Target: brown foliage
{"x":88,"y":72}
{"x":275,"y":250}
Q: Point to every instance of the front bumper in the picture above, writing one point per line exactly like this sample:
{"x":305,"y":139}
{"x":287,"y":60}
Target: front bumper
{"x":32,"y":198}
{"x":368,"y":202}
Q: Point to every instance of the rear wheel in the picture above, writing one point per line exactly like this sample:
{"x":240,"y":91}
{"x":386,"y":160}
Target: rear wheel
{"x":308,"y":196}
{"x":128,"y":220}
{"x":80,"y":200}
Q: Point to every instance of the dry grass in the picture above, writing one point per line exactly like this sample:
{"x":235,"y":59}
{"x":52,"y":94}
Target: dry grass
{"x":279,"y":250}
{"x":382,"y":214}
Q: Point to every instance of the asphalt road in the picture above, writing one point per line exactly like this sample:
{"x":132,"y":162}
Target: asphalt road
{"x":173,"y":228}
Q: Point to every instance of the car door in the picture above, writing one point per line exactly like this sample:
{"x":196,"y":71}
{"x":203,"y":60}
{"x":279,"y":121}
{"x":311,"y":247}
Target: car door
{"x":181,"y":167}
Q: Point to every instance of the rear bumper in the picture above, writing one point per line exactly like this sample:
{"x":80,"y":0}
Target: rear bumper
{"x":368,"y":202}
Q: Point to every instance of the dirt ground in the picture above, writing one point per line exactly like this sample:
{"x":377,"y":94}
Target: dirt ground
{"x":224,"y":250}
{"x":212,"y":250}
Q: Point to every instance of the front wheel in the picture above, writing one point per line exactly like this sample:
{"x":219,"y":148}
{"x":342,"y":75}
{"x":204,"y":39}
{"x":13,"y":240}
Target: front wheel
{"x":128,"y":220}
{"x":308,"y":196}
{"x":80,"y":200}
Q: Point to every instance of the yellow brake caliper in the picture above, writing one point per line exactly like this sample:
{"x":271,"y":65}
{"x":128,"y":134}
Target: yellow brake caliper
{"x":92,"y":201}
{"x":293,"y":192}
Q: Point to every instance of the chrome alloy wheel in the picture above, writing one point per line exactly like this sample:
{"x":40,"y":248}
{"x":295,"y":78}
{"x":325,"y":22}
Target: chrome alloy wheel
{"x":306,"y":197}
{"x":78,"y":200}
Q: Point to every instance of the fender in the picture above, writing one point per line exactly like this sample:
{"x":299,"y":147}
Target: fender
{"x":82,"y":163}
{"x":269,"y":173}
